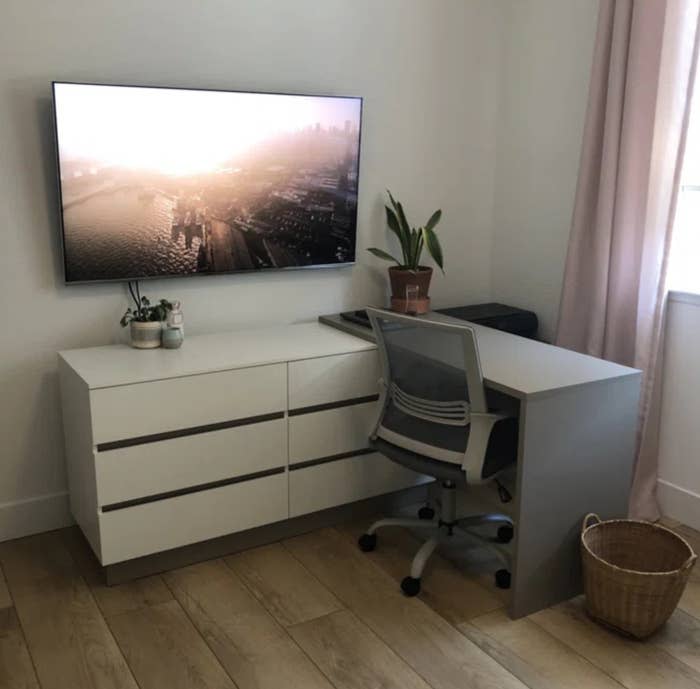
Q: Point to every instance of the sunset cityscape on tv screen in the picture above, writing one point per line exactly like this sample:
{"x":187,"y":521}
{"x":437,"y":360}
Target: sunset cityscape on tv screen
{"x":163,"y":182}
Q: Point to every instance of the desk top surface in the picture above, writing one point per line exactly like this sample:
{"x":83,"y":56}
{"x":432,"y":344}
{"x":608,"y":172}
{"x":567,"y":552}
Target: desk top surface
{"x":516,"y":365}
{"x":510,"y":364}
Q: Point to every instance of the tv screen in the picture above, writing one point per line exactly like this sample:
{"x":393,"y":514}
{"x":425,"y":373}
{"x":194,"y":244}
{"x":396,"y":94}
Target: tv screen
{"x":158,"y":182}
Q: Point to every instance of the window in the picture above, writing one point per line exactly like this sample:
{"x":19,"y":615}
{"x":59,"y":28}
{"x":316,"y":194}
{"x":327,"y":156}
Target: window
{"x":684,"y":264}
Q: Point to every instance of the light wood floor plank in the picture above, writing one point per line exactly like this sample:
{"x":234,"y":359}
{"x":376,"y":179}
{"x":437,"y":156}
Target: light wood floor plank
{"x":16,"y":669}
{"x":690,"y":601}
{"x":352,"y":656}
{"x":164,"y":650}
{"x":5,"y":599}
{"x":282,"y":584}
{"x":512,"y":662}
{"x":452,"y":593}
{"x":221,"y":630}
{"x":36,"y":557}
{"x":421,"y":637}
{"x":633,"y":664}
{"x":134,"y":595}
{"x":112,"y":600}
{"x":255,"y":650}
{"x":680,"y":637}
{"x":67,"y":637}
{"x":548,"y":661}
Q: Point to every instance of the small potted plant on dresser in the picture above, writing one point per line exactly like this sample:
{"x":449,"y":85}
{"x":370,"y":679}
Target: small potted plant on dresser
{"x":409,"y":279}
{"x":145,"y":320}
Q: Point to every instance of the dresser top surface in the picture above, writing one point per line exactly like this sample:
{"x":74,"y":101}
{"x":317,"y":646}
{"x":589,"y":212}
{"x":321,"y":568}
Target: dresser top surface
{"x":113,"y":365}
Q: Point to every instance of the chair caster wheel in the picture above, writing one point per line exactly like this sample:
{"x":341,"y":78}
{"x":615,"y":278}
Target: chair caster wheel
{"x":426,"y":513}
{"x":504,"y":534}
{"x":410,"y":586}
{"x":367,"y":542}
{"x":503,"y":579}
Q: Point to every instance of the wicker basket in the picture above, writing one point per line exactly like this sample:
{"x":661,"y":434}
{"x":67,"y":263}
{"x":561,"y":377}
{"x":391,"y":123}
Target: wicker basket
{"x":634,"y":573}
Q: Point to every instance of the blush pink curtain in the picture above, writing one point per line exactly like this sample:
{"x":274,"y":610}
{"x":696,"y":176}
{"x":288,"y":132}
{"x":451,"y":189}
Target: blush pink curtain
{"x":614,"y":291}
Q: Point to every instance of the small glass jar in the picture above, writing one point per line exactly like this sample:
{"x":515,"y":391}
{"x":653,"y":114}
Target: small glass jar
{"x":172,"y":338}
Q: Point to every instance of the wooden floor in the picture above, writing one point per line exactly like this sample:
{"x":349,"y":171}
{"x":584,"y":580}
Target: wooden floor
{"x":311,"y":612}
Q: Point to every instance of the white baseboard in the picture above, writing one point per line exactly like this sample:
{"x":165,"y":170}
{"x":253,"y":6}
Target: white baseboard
{"x":34,"y":515}
{"x":679,"y":503}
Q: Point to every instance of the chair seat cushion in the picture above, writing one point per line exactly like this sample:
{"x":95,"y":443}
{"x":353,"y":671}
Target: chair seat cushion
{"x":501,"y":451}
{"x":443,"y":471}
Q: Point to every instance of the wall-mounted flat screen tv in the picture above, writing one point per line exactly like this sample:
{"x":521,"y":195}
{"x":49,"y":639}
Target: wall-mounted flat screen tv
{"x":163,"y":182}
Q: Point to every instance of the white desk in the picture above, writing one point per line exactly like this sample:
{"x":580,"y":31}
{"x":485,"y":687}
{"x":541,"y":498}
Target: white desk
{"x":238,"y":430}
{"x":515,"y":365}
{"x":578,"y":419}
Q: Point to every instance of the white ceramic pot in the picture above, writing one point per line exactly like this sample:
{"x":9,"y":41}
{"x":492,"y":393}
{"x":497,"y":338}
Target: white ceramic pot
{"x":146,"y":335}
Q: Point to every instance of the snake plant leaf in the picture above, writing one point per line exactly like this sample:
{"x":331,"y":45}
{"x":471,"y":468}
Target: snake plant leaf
{"x":434,"y":220}
{"x":396,"y":227}
{"x":419,"y":248}
{"x":432,"y":243}
{"x":391,"y":198}
{"x":402,"y":219}
{"x":415,"y":244}
{"x":383,"y":255}
{"x":393,"y":222}
{"x":406,"y":231}
{"x":400,"y":214}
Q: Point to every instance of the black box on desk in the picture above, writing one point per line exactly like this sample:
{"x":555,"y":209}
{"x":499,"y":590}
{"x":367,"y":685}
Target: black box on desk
{"x":499,"y":316}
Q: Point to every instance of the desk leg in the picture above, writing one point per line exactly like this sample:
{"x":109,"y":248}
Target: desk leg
{"x":576,"y":455}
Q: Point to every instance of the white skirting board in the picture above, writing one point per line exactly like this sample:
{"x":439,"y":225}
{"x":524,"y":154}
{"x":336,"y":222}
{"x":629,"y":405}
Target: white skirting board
{"x":34,"y":515}
{"x":679,"y":503}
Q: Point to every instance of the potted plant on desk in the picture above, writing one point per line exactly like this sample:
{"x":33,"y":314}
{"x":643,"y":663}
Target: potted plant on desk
{"x":145,"y":320}
{"x":409,"y":279}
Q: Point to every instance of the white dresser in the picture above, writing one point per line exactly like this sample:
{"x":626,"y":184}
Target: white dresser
{"x":170,"y":447}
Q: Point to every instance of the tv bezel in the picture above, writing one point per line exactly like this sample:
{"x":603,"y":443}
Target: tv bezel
{"x":169,"y":276}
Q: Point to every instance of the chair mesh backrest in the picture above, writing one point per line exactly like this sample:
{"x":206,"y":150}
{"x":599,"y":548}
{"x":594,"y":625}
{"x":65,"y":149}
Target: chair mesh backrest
{"x":433,"y":380}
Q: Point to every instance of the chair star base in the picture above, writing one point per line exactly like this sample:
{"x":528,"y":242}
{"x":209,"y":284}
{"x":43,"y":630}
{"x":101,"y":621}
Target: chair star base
{"x":442,"y":528}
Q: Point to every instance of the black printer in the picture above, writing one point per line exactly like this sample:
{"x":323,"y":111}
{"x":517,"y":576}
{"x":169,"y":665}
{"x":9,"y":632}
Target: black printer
{"x":493,"y":315}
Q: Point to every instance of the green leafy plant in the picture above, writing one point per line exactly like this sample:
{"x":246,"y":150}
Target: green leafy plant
{"x":411,"y":240}
{"x":144,"y":311}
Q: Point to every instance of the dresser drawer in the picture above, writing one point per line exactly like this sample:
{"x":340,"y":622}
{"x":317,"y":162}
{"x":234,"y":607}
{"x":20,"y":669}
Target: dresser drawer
{"x":164,"y":524}
{"x":153,"y":468}
{"x":346,"y":480}
{"x":330,"y":432}
{"x":333,"y":378}
{"x":143,"y":409}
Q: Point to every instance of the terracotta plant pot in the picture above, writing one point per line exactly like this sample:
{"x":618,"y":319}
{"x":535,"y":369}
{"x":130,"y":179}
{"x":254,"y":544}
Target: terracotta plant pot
{"x":146,"y":335}
{"x":400,"y":279}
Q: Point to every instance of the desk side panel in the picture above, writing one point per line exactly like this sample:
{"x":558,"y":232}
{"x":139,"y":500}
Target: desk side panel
{"x":576,"y":456}
{"x":77,"y":428}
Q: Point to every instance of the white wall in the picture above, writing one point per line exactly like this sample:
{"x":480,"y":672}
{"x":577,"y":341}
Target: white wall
{"x":548,"y":53}
{"x":679,"y":441}
{"x":430,"y":74}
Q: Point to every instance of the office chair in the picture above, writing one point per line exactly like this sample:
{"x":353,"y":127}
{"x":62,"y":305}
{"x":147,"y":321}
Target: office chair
{"x":434,"y":419}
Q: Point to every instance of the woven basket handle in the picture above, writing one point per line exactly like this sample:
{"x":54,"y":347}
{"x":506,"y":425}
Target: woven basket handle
{"x":689,"y":562}
{"x":585,"y":523}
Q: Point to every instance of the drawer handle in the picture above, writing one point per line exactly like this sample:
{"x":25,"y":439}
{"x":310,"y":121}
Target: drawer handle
{"x":191,"y":489}
{"x":333,"y":405}
{"x":330,"y":458}
{"x":182,"y":432}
